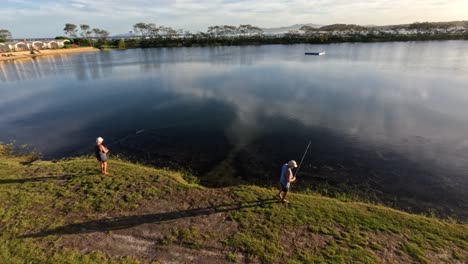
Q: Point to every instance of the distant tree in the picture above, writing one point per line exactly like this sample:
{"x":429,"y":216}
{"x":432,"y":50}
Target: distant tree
{"x":243,"y":29}
{"x":200,"y":35}
{"x":229,"y":30}
{"x":141,"y":29}
{"x":152,"y":30}
{"x":86,"y":33}
{"x":214,"y":30}
{"x":422,"y":27}
{"x":4,"y":35}
{"x":70,"y":30}
{"x":63,"y":37}
{"x":342,"y":27}
{"x":147,"y":30}
{"x":255,"y":30}
{"x":121,"y":44}
{"x":84,"y":30}
{"x":137,"y":28}
{"x":101,"y":34}
{"x":293,"y":33}
{"x":249,"y":30}
{"x":188,"y":34}
{"x":168,"y":31}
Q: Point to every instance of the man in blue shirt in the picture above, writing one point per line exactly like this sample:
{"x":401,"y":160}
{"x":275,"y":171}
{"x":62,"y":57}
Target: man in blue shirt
{"x":285,"y":180}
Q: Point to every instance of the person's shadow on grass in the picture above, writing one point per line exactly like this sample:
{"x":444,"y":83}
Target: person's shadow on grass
{"x":35,"y":179}
{"x":44,"y":179}
{"x":124,"y":222}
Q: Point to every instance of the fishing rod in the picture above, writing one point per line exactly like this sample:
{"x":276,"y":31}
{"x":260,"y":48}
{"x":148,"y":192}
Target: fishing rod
{"x":303,"y":156}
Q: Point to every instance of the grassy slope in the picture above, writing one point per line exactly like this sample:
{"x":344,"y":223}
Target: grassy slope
{"x":54,"y":201}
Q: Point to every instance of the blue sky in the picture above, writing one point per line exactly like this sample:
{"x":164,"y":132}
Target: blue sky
{"x":46,"y":18}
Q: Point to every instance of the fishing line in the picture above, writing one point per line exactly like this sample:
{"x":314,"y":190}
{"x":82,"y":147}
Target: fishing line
{"x":89,"y":149}
{"x":127,"y":136}
{"x":303,"y":156}
{"x":134,"y":134}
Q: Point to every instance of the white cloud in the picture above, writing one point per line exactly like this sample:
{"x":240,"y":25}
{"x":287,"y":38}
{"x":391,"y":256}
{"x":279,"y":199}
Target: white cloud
{"x":30,"y":18}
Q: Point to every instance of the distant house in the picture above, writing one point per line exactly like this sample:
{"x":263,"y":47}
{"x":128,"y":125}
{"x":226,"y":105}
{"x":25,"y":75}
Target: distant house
{"x":22,"y":46}
{"x":6,"y":47}
{"x":38,"y":45}
{"x":28,"y":45}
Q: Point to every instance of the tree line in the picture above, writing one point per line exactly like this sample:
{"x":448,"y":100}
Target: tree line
{"x":151,"y":30}
{"x":150,"y":35}
{"x":146,"y":35}
{"x":86,"y":33}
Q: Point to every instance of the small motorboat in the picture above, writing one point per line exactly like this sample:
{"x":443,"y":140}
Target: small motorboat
{"x":315,"y":53}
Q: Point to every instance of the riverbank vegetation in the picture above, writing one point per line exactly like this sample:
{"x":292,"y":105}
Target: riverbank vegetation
{"x":66,"y":212}
{"x":146,"y":35}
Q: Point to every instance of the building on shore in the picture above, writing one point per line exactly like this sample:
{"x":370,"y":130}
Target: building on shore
{"x":32,"y":45}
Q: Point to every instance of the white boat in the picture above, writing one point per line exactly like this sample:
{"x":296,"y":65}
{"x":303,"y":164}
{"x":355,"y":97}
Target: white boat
{"x":315,"y":53}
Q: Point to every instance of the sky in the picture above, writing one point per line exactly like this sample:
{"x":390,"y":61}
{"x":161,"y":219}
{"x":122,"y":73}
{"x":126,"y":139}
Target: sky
{"x":46,"y":18}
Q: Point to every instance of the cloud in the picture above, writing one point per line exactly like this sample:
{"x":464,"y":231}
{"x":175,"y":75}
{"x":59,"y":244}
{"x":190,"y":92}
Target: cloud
{"x":27,"y":18}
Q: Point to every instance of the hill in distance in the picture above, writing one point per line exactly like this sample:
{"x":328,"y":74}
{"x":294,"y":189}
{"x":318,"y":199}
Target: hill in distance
{"x":66,"y":212}
{"x":286,"y":29}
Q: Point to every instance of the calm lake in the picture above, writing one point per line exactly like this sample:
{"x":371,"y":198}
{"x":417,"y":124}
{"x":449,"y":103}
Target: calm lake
{"x":386,"y":120}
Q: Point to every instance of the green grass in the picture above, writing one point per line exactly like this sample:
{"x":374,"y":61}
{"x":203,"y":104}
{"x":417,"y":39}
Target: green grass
{"x":415,"y":252}
{"x":44,"y":195}
{"x":349,"y":225}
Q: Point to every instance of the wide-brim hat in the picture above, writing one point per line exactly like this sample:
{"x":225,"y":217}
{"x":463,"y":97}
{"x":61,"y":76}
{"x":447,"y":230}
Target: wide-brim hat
{"x":292,"y":163}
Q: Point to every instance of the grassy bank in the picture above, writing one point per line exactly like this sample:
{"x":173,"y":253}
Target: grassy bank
{"x":66,"y":212}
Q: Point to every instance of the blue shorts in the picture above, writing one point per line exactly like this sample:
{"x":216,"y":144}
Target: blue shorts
{"x":284,"y":188}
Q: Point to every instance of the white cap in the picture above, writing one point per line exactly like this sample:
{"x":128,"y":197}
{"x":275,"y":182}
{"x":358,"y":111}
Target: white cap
{"x":292,"y":163}
{"x":99,"y":140}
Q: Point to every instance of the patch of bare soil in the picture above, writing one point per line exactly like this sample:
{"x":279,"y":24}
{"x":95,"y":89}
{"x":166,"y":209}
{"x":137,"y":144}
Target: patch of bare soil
{"x":388,"y":248}
{"x":302,"y":238}
{"x":443,"y":256}
{"x":151,"y":232}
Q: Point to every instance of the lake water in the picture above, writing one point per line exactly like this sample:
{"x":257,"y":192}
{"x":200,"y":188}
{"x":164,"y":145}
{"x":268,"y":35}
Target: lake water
{"x":386,"y":120}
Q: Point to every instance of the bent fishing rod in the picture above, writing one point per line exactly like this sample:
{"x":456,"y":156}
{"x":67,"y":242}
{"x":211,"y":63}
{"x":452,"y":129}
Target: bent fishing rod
{"x":303,"y":156}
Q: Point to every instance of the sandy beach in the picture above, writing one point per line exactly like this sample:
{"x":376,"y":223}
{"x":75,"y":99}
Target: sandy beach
{"x":46,"y":52}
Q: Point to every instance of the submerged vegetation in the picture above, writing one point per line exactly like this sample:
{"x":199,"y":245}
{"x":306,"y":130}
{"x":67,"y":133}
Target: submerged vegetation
{"x":66,"y":212}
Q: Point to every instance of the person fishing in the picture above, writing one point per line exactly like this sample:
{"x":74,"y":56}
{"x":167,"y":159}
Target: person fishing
{"x":101,"y":154}
{"x":285,"y":180}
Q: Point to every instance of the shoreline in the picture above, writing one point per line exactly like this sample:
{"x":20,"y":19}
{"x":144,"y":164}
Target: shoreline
{"x":19,"y":55}
{"x":45,"y":52}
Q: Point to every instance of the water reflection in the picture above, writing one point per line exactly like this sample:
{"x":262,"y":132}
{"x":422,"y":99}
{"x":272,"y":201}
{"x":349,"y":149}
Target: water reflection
{"x":378,"y":114}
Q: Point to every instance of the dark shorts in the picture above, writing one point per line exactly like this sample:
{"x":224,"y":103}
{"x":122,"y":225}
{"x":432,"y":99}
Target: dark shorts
{"x":284,"y":188}
{"x":102,"y":157}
